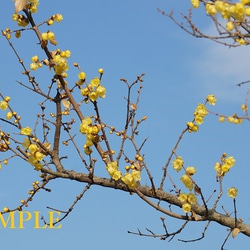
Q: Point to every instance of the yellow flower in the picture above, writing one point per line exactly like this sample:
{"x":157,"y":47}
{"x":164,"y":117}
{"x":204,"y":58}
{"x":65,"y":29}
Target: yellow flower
{"x":3,"y":105}
{"x":178,"y":163}
{"x":51,"y":35}
{"x":221,"y":119}
{"x":95,"y":82}
{"x":84,"y":126}
{"x":26,"y":143}
{"x":26,"y":131}
{"x":136,"y":175}
{"x":191,"y":170}
{"x":230,"y":161}
{"x":38,"y":166}
{"x":33,"y":148}
{"x":93,"y":96}
{"x":232,"y":192}
{"x":34,"y":66}
{"x":112,"y":167}
{"x":39,"y":156}
{"x":44,"y":36}
{"x":129,"y":180}
{"x":195,"y":3}
{"x":116,"y":175}
{"x":187,"y":181}
{"x":58,"y":18}
{"x":186,"y":207}
{"x":198,"y":119}
{"x":210,"y":9}
{"x":211,"y":99}
{"x":183,"y":197}
{"x":244,"y":107}
{"x":9,"y":115}
{"x":230,"y":25}
{"x":101,"y":91}
{"x":225,"y":168}
{"x":82,"y":75}
{"x":192,"y":199}
{"x":34,"y":59}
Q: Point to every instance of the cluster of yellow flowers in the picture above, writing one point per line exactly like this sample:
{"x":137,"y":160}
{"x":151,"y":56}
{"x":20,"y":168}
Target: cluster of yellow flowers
{"x":35,"y":63}
{"x":224,"y":166}
{"x":58,"y":18}
{"x":187,"y":200}
{"x":177,"y":164}
{"x":91,"y":131}
{"x":21,"y":20}
{"x":234,"y":13}
{"x":34,"y":153}
{"x":129,"y":178}
{"x":186,"y":179}
{"x":93,"y":90}
{"x":4,"y":142}
{"x":61,"y":62}
{"x":32,"y":5}
{"x":49,"y":36}
{"x":199,"y":114}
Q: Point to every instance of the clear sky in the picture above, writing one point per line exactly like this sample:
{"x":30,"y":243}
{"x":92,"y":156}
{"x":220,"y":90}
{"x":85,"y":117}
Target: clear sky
{"x":126,"y":38}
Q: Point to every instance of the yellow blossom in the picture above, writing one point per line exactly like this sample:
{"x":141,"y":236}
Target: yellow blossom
{"x":178,"y":163}
{"x":9,"y":115}
{"x":34,"y":66}
{"x":210,"y":9}
{"x":230,"y":25}
{"x":101,"y":91}
{"x":230,"y":161}
{"x":191,"y":170}
{"x":186,"y":207}
{"x":211,"y":99}
{"x":58,"y":18}
{"x":191,"y":198}
{"x":183,"y":197}
{"x":187,"y":181}
{"x":82,"y":75}
{"x":93,"y":96}
{"x":95,"y":82}
{"x":33,"y":148}
{"x":232,"y":192}
{"x":39,"y":156}
{"x":113,"y":171}
{"x":26,"y":143}
{"x":26,"y":131}
{"x":195,"y":3}
{"x":244,"y":107}
{"x":3,"y":105}
{"x":129,"y":180}
{"x":221,"y":118}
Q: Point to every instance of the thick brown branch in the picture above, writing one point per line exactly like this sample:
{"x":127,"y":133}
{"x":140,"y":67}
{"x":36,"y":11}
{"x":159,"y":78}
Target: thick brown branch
{"x":207,"y":215}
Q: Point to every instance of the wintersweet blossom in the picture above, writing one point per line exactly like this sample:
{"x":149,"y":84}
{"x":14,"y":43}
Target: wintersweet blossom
{"x":211,"y":99}
{"x":3,"y":105}
{"x":186,"y":207}
{"x":232,"y":192}
{"x":187,"y":181}
{"x":195,"y":3}
{"x":113,"y":171}
{"x":26,"y":131}
{"x":178,"y":163}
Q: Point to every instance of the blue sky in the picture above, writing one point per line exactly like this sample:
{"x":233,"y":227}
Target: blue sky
{"x":127,"y":38}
